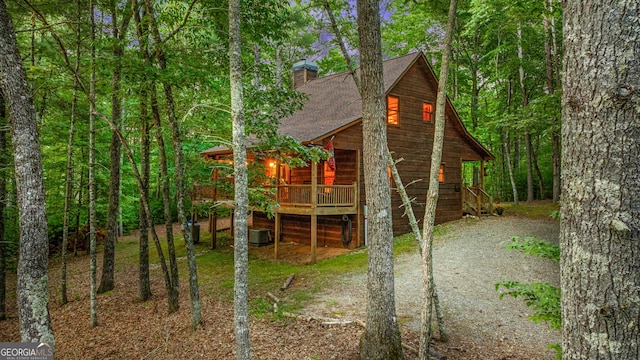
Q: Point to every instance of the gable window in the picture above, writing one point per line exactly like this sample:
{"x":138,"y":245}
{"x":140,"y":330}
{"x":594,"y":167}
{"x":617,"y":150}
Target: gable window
{"x":427,"y":111}
{"x":392,"y":110}
{"x":441,"y":174}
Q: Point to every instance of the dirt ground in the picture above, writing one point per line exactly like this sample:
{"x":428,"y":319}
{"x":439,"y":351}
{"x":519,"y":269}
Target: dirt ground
{"x":469,"y":259}
{"x":130,"y":329}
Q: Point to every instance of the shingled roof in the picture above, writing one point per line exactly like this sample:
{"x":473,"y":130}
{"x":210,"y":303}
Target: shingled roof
{"x":335,"y":103}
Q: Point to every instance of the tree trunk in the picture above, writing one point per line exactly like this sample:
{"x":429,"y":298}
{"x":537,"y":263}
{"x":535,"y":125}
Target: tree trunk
{"x":32,"y":289}
{"x":4,"y":164}
{"x":600,"y":226}
{"x":108,"y":263}
{"x":381,"y":338}
{"x":145,"y":174}
{"x":537,"y":169}
{"x":527,"y":135}
{"x":196,"y":308}
{"x":68,"y":188}
{"x":172,"y":277}
{"x":92,"y":162}
{"x":241,"y":198}
{"x":507,"y":160}
{"x":549,"y":65}
{"x":79,"y":207}
{"x":432,"y":193}
{"x":555,"y":140}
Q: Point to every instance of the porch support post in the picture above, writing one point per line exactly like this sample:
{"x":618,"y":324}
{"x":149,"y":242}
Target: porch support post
{"x":482,"y":174}
{"x":276,"y":240}
{"x":478,"y":204}
{"x":314,"y":217}
{"x":213,"y":220}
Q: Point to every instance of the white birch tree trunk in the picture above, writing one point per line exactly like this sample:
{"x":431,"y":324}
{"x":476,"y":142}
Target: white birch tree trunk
{"x":92,"y":162}
{"x":432,"y":193}
{"x":241,"y":199}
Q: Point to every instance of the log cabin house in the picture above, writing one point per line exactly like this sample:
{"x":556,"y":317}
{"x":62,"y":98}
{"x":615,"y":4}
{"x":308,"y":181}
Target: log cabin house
{"x":324,"y":204}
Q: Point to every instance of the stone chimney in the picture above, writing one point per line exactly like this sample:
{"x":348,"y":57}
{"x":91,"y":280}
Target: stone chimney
{"x":303,"y":72}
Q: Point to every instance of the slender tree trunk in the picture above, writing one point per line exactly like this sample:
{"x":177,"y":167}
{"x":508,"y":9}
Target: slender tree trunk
{"x":600,"y":225}
{"x":537,"y":170}
{"x":391,"y":163}
{"x":554,"y":41}
{"x":92,"y":162}
{"x":475,"y":96}
{"x":68,"y":189}
{"x":166,"y":201}
{"x":381,"y":338}
{"x":507,"y":160}
{"x":172,"y":278}
{"x":79,"y":207}
{"x":527,"y":135}
{"x":241,"y":199}
{"x":555,"y":140}
{"x":549,"y":65}
{"x":432,"y":193}
{"x":176,"y":135}
{"x":32,"y":289}
{"x":145,"y":173}
{"x":108,"y":263}
{"x":3,"y":200}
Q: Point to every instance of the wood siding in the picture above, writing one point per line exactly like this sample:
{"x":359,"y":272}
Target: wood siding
{"x":411,"y":140}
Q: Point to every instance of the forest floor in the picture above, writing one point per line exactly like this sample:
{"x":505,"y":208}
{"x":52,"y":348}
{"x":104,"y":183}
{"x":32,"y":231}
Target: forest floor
{"x":469,"y":258}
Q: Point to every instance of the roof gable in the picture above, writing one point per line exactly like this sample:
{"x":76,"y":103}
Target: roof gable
{"x":335,"y":103}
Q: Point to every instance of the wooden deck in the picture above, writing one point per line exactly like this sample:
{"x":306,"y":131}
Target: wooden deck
{"x":301,"y":199}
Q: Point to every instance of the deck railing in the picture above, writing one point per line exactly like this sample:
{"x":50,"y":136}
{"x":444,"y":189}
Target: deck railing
{"x":477,"y":200}
{"x":299,"y":195}
{"x":326,"y":195}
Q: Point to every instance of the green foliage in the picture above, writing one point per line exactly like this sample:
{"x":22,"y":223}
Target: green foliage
{"x":555,"y":215}
{"x":558,"y":349}
{"x":543,"y":297}
{"x":536,"y":247}
{"x":157,"y":210}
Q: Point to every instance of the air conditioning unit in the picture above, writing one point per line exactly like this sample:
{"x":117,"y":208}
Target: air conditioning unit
{"x":259,"y":237}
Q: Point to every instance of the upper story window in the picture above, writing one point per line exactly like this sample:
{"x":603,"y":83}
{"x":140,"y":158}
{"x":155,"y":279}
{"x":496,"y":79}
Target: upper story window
{"x":393,"y":114}
{"x":441,"y":174}
{"x":427,"y":111}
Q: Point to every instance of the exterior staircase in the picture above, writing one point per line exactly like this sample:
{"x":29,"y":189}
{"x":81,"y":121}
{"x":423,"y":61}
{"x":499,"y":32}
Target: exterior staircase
{"x":477,"y":202}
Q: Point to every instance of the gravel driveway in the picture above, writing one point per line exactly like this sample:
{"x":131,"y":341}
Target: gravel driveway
{"x":470,"y":257}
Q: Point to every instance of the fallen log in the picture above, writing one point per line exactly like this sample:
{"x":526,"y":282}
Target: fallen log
{"x":288,"y":282}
